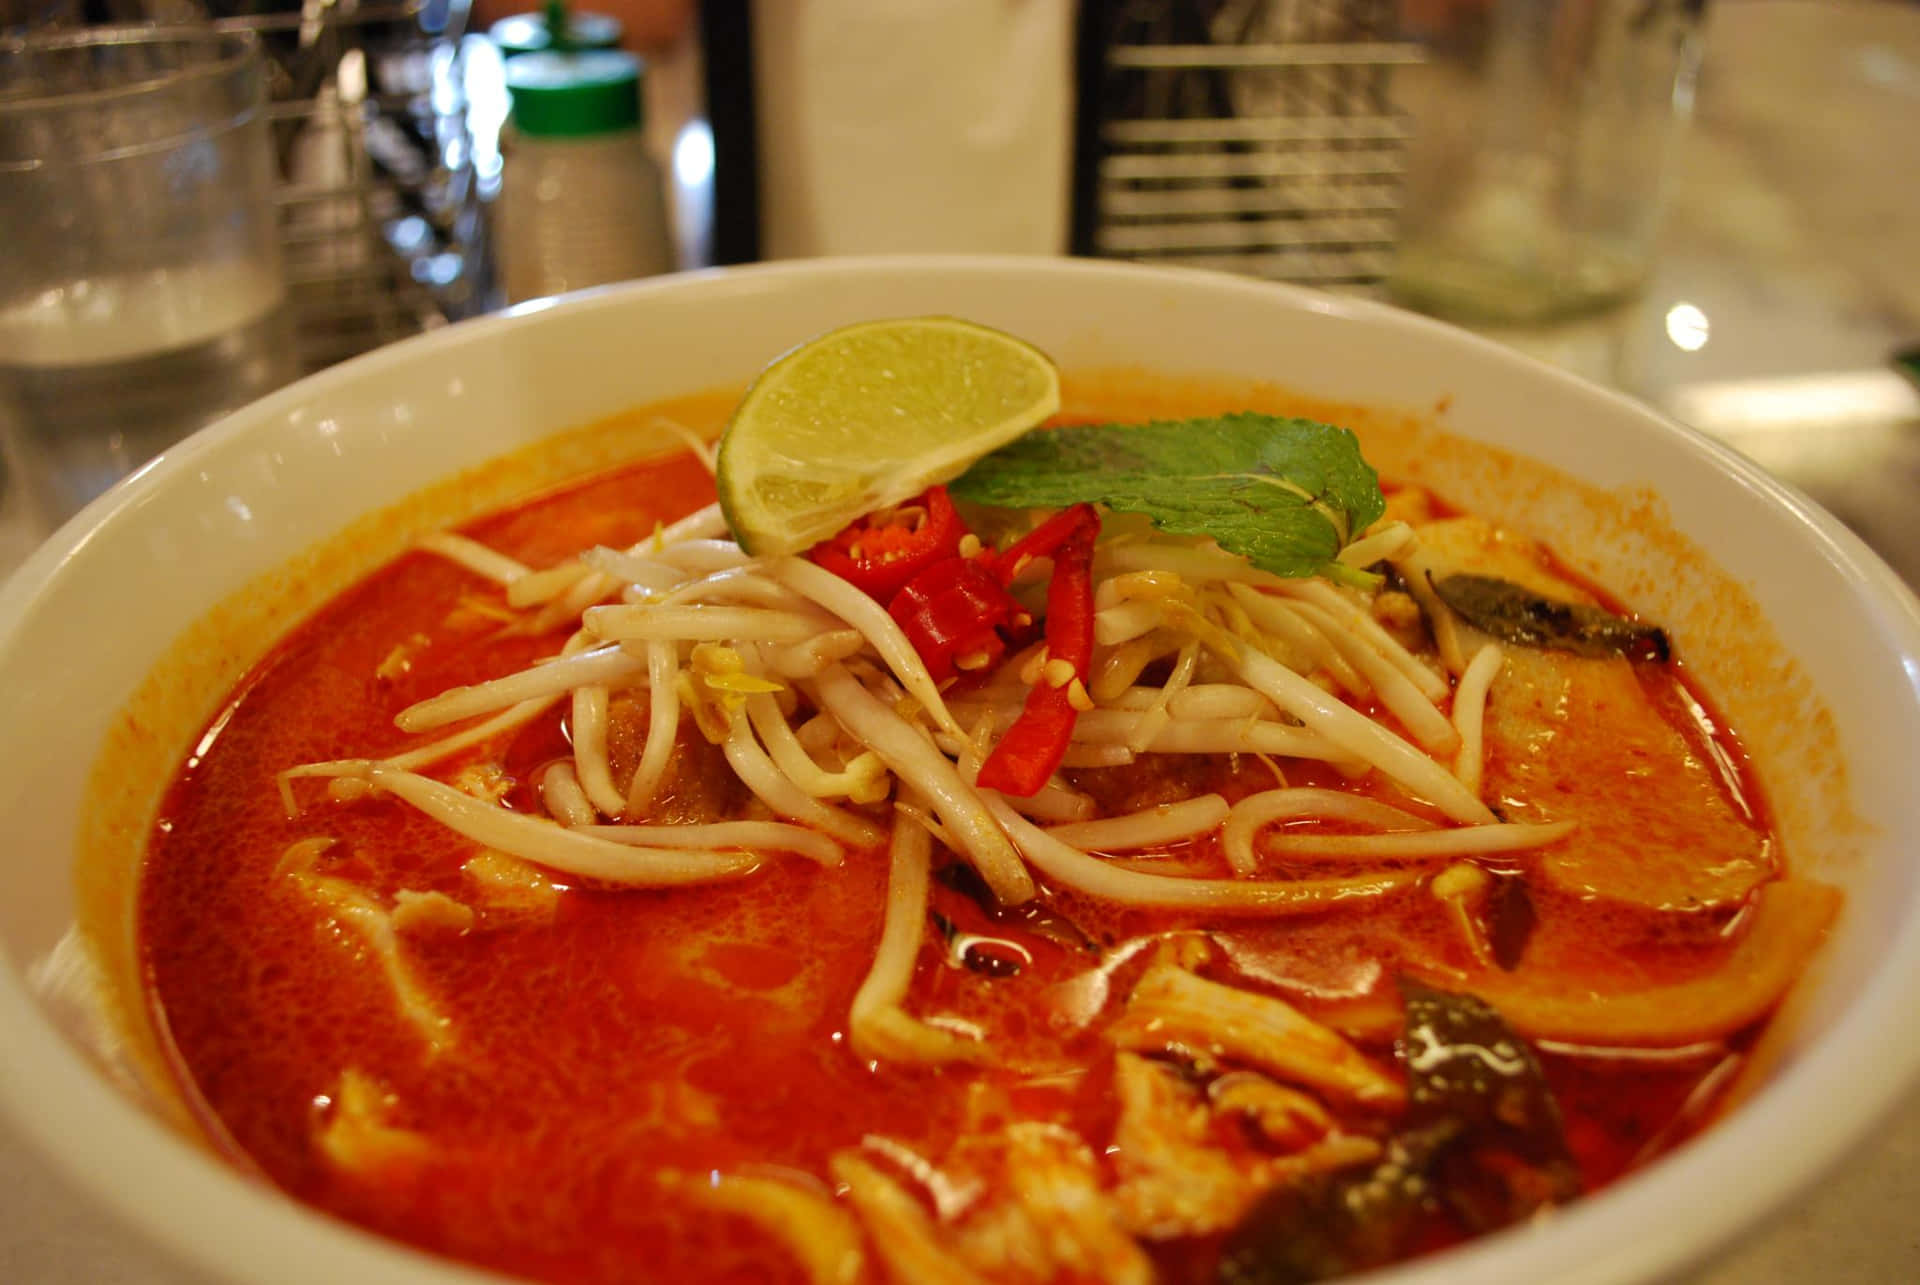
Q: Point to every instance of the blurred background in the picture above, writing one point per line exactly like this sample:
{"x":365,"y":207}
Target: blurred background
{"x":1705,"y":206}
{"x":1709,"y":207}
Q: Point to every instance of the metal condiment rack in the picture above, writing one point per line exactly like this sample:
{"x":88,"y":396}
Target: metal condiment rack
{"x":380,"y":218}
{"x":1254,"y":136}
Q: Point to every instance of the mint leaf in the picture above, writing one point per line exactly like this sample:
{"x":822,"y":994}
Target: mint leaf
{"x":1287,"y":494}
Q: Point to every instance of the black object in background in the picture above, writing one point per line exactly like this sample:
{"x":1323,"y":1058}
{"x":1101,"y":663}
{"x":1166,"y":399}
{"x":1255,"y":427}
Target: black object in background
{"x":726,"y":35}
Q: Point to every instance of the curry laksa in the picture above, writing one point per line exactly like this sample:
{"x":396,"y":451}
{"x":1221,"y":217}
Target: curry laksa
{"x":1161,"y":852}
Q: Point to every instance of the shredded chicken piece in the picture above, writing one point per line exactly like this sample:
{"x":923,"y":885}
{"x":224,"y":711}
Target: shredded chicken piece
{"x":1052,"y":1177}
{"x":1172,"y":1010}
{"x":353,"y":907}
{"x":486,"y":781}
{"x":358,"y":1135}
{"x":1335,"y":1151}
{"x":902,"y":1232}
{"x":1174,"y":1180}
{"x":821,"y":1235}
{"x":1175,"y":1177}
{"x":1003,"y":1244}
{"x":430,"y":912}
{"x":1285,"y":1116}
{"x":508,"y":883}
{"x":399,"y":661}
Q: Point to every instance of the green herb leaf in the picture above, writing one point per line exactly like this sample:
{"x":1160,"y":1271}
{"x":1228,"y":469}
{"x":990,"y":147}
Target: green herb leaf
{"x":1287,"y":494}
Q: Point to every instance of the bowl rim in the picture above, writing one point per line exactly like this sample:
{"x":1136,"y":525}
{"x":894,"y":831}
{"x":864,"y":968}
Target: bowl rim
{"x":265,"y":1234}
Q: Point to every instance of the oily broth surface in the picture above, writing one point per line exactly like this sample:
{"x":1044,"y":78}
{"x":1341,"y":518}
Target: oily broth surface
{"x":694,"y":1029}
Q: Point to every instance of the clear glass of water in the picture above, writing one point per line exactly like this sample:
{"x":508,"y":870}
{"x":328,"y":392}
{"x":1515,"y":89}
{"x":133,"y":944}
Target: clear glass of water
{"x":1543,"y":139}
{"x":141,"y":288}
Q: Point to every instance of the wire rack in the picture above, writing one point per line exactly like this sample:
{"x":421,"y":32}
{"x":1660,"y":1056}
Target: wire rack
{"x":1255,"y":136}
{"x":380,"y":212}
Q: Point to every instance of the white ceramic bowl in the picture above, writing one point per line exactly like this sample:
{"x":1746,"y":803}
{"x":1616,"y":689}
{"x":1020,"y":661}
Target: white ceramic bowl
{"x":85,"y":619}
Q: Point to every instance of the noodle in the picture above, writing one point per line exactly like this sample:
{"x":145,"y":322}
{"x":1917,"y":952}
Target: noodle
{"x":590,"y":749}
{"x":703,"y":624}
{"x":744,"y":836}
{"x":1360,"y":736}
{"x":474,"y":556}
{"x":602,"y":665}
{"x":738,"y":586}
{"x":909,"y":755}
{"x":1465,"y":841}
{"x":1469,"y":711}
{"x":872,"y":620}
{"x":1073,"y":868}
{"x":544,"y":843}
{"x":878,"y":1026}
{"x":645,"y":574}
{"x":751,"y":764}
{"x":864,"y":779}
{"x":537,"y":587}
{"x":1341,"y":608}
{"x":1155,"y":827}
{"x":816,"y":1230}
{"x":565,"y":801}
{"x":702,"y":556}
{"x":1402,"y":699}
{"x":1250,"y":814}
{"x":565,"y":609}
{"x":697,"y":446}
{"x":1383,"y":544}
{"x":705,"y":523}
{"x":807,"y":659}
{"x":663,"y":724}
{"x":1299,"y":636}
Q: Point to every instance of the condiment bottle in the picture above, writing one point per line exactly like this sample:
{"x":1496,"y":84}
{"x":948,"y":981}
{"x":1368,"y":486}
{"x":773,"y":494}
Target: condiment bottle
{"x":581,"y":200}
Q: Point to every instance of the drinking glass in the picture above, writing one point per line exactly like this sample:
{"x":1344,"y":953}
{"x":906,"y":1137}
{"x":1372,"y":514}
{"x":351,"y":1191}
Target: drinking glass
{"x":1543,"y":136}
{"x":141,"y":289}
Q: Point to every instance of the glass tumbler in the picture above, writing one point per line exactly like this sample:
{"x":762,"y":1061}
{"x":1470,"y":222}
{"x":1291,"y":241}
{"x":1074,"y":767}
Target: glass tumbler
{"x":1543,"y":136}
{"x":141,"y":289}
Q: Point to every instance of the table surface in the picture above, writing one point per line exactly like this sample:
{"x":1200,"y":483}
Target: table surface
{"x":1791,"y":233}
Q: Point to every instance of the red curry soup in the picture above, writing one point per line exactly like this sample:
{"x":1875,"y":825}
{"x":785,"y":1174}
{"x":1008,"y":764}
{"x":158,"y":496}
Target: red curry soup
{"x":996,"y":892}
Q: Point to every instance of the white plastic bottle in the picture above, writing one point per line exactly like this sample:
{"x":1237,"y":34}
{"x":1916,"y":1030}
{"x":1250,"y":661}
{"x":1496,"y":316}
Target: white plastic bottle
{"x":582,"y":202}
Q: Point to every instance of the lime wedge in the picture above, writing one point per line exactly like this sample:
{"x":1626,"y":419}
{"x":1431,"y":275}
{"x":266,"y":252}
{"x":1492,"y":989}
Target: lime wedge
{"x":870,"y":415}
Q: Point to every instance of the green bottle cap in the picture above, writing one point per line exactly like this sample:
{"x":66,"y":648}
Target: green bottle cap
{"x":532,"y":33}
{"x":574,"y":95}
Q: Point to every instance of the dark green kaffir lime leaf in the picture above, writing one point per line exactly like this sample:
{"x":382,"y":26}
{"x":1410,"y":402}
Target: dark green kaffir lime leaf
{"x":1518,"y":615}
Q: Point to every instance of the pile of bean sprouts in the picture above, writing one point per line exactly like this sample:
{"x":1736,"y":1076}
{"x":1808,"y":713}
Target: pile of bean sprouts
{"x":825,"y":713}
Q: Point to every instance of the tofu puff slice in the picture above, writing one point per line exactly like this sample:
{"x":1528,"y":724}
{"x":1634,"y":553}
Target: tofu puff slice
{"x":1597,"y":742}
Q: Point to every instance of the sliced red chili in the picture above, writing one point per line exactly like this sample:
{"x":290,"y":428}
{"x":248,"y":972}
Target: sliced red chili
{"x":1043,"y":541}
{"x":1031,"y":750}
{"x":952,"y":613}
{"x":880,"y":558}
